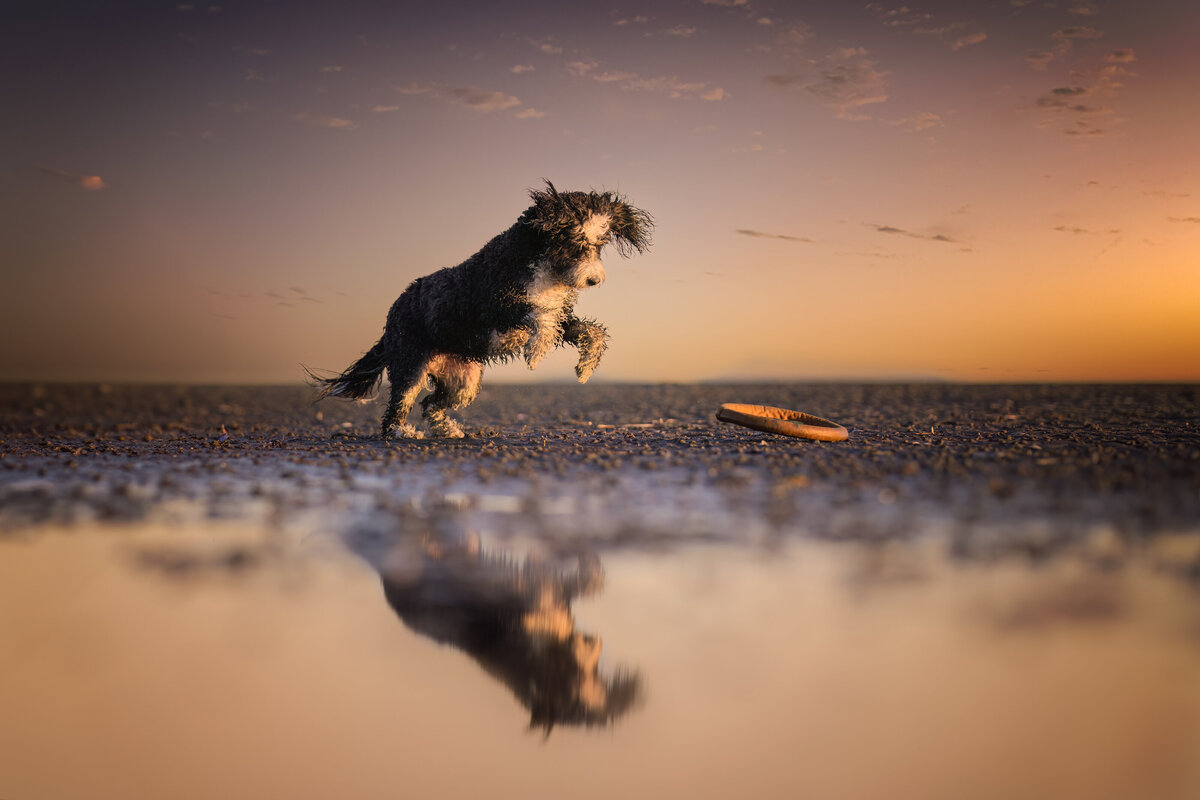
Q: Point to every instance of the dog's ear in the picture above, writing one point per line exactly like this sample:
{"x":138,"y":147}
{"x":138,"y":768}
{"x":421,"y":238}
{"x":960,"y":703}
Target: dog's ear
{"x":631,"y":228}
{"x":546,"y":212}
{"x":552,"y":211}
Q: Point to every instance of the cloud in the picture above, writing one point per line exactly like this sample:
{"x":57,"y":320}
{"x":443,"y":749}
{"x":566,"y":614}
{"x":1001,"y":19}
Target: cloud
{"x":899,"y":17}
{"x":1083,"y":9}
{"x":1194,"y":220}
{"x":847,"y":82}
{"x":1066,"y":99}
{"x":890,"y":229}
{"x":519,"y":69}
{"x":727,"y":3}
{"x":483,"y":100}
{"x":1077,"y":107}
{"x":683,"y":31}
{"x":547,"y":47}
{"x":324,"y":121}
{"x":385,"y":109}
{"x":918,"y":122}
{"x":1077,"y":231}
{"x":670,"y":86}
{"x":332,"y":68}
{"x":783,"y":236}
{"x":530,"y":113}
{"x":1066,"y":36}
{"x":89,"y":182}
{"x":638,"y":20}
{"x":967,"y":40}
{"x":1039,"y":59}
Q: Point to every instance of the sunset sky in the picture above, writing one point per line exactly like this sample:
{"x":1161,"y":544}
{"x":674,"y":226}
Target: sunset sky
{"x":984,"y":191}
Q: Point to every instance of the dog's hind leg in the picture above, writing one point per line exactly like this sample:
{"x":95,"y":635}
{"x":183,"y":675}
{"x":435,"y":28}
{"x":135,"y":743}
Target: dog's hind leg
{"x":591,"y":339}
{"x":407,"y":377}
{"x":455,"y":384}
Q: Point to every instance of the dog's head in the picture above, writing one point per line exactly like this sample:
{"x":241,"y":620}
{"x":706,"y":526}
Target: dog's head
{"x":578,"y":225}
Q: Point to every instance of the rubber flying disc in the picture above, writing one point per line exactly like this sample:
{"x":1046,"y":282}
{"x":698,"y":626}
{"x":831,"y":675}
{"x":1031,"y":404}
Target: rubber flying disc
{"x":782,"y":421}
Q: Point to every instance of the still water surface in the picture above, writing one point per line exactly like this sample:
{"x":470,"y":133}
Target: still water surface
{"x":215,"y":660}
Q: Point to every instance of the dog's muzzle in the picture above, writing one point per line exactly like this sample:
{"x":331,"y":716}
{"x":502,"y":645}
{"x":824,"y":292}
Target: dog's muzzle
{"x":588,"y":274}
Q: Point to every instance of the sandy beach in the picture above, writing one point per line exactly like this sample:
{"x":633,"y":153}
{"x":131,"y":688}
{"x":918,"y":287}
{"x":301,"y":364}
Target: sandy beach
{"x":1070,"y":458}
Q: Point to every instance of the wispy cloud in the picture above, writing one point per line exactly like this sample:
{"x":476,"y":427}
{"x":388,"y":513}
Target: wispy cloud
{"x":482,"y":100}
{"x":1039,"y":59}
{"x":1084,"y":231}
{"x":682,"y":31}
{"x":898,"y":17}
{"x":1066,"y":36}
{"x":1193,"y":220}
{"x":918,"y":122}
{"x":761,"y":235}
{"x":846,"y":82}
{"x":891,"y":229}
{"x":381,"y":109}
{"x":332,"y":68}
{"x":547,"y":46}
{"x":668,"y":85}
{"x":956,"y":35}
{"x":90,"y":182}
{"x":1077,"y":109}
{"x":1083,"y":9}
{"x":520,"y":69}
{"x":790,"y":39}
{"x":967,"y":39}
{"x":325,"y":121}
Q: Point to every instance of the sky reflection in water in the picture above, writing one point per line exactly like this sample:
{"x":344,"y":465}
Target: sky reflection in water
{"x":217,"y":660}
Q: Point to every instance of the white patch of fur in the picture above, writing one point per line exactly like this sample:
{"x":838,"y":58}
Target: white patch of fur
{"x":547,"y":294}
{"x":596,"y":227}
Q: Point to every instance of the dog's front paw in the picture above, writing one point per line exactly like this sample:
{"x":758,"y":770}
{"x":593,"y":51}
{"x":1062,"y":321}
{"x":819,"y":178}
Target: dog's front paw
{"x":583,"y":371}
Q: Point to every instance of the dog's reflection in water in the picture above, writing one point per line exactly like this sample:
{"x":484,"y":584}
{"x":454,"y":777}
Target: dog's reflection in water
{"x":514,"y":618}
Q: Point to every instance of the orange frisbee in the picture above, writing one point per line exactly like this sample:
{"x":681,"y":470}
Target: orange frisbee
{"x":782,"y":421}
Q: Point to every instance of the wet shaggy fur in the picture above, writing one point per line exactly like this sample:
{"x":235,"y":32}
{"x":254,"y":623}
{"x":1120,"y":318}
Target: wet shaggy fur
{"x":514,"y":298}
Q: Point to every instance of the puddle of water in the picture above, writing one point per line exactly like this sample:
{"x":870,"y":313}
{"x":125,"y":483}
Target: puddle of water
{"x":219,"y":661}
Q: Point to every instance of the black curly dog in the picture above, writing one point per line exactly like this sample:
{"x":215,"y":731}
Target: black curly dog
{"x":516,"y":296}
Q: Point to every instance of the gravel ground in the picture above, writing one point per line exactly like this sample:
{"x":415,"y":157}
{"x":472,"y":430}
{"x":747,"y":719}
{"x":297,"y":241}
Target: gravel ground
{"x":997,"y":469}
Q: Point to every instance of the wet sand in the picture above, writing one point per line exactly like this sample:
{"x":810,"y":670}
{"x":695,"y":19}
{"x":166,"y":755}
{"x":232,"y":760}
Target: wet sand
{"x":1002,"y":468}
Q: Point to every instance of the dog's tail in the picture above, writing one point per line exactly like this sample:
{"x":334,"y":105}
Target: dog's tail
{"x":358,"y":381}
